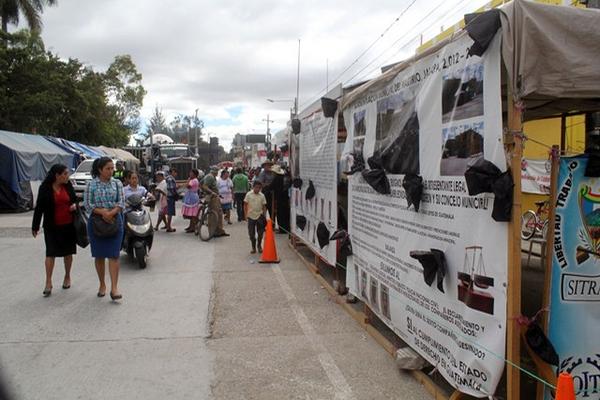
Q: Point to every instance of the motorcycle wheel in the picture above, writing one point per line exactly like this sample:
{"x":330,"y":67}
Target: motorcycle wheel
{"x":140,"y":255}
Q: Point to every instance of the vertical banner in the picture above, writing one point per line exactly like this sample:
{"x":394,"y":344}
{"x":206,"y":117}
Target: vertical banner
{"x":314,"y":204}
{"x":434,"y":119}
{"x":575,"y":293}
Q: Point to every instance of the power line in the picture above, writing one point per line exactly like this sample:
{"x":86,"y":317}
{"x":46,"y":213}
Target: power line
{"x":370,"y":46}
{"x":429,"y":14}
{"x":401,"y":48}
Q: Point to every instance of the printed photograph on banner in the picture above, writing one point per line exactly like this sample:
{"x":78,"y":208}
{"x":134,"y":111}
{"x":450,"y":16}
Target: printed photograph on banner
{"x":473,"y":283}
{"x":462,"y":144}
{"x":360,"y":125}
{"x":397,"y":133}
{"x":385,"y":301}
{"x":462,"y":93}
{"x":374,"y":286}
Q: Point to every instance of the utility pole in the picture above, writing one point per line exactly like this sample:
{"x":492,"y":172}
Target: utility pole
{"x":268,"y":132}
{"x":297,"y":99}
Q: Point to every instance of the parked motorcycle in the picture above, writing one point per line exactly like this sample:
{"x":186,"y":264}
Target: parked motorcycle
{"x":139,"y":232}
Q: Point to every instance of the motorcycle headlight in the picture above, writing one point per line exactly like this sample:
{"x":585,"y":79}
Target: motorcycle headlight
{"x":140,"y":229}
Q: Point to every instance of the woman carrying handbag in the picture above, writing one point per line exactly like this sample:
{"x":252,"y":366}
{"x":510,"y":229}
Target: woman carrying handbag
{"x":104,"y":201}
{"x":56,"y":202}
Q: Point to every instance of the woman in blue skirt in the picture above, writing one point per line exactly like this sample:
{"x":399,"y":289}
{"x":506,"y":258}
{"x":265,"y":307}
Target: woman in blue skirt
{"x":103,"y":197}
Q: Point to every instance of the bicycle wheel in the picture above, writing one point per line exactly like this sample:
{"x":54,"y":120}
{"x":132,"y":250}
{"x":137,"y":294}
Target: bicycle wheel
{"x":528,"y":225}
{"x":208,"y":225}
{"x":545,"y":230}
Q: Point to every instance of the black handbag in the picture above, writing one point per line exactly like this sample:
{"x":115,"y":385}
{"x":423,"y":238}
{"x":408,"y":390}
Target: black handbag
{"x":103,"y":229}
{"x":80,"y":223}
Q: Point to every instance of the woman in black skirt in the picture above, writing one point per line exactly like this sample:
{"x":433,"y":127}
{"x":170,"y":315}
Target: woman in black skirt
{"x":56,"y":202}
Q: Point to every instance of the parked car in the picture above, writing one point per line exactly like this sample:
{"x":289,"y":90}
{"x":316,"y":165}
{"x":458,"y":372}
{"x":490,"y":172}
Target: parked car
{"x":81,"y":176}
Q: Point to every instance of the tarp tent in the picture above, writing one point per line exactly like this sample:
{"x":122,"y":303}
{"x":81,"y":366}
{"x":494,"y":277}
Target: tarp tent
{"x":25,"y":158}
{"x":131,"y":161}
{"x":87,"y":151}
{"x":77,"y":158}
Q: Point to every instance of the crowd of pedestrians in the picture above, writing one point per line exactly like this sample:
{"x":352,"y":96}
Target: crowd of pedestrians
{"x":254,"y":194}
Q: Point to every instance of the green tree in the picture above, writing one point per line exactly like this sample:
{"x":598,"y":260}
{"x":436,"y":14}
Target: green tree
{"x":125,"y":91}
{"x":158,"y":124}
{"x":10,"y":11}
{"x":40,"y":93}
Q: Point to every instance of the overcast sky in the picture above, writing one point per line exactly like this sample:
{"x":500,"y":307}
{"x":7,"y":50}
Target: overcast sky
{"x":226,"y":58}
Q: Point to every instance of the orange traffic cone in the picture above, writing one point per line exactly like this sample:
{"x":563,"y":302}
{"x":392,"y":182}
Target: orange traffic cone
{"x":565,"y":390}
{"x":269,"y":254}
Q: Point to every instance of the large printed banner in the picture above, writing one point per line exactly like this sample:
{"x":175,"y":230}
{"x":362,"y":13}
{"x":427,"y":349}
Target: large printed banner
{"x":317,"y":211}
{"x":535,"y":176}
{"x":433,"y":119}
{"x":575,"y":295}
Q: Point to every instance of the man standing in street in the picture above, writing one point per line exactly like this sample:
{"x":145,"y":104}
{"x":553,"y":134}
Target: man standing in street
{"x":209,"y":186}
{"x":240,"y":188}
{"x":119,"y":172}
{"x":172,"y":197}
{"x":266,"y":177}
{"x":255,"y":207}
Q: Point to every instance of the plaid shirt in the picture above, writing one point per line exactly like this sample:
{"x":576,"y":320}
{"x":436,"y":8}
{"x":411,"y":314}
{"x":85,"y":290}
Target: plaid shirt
{"x":171,"y":186}
{"x":99,"y":194}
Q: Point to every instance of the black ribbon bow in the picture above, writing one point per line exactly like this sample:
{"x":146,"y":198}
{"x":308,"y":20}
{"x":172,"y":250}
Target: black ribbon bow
{"x":297,"y":183}
{"x":329,"y":107}
{"x":322,"y":234}
{"x":376,"y":177}
{"x":484,"y":177}
{"x":345,"y":243}
{"x":434,"y":264}
{"x":310,"y":192}
{"x":357,"y":165}
{"x":301,"y":222}
{"x":413,"y":186}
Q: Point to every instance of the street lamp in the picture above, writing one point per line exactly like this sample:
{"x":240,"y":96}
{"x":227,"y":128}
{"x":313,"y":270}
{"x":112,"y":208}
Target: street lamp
{"x":294,"y":101}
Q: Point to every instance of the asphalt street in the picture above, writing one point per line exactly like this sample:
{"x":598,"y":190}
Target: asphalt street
{"x":203,"y":321}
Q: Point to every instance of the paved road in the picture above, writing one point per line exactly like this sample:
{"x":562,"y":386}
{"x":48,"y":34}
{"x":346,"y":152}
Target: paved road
{"x":74,"y":345}
{"x":204,"y":321}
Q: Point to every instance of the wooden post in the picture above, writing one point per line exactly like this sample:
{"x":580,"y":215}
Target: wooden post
{"x":513,"y":292}
{"x":555,"y":158}
{"x":563,"y":133}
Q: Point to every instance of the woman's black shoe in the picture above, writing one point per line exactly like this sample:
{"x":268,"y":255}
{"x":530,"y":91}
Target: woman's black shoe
{"x":47,"y":292}
{"x":100,"y":294}
{"x":116,"y":296}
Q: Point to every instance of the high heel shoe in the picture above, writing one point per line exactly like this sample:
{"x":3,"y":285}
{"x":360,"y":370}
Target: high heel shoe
{"x":116,"y":296}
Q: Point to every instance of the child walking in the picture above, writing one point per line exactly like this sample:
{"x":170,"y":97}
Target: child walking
{"x":255,"y":207}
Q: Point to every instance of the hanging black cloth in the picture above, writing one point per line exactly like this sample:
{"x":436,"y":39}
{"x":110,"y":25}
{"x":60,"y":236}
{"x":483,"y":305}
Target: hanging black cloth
{"x":592,"y":169}
{"x":357,"y":165}
{"x":329,"y":107}
{"x":434,"y":265}
{"x":297,"y":183}
{"x":413,"y":186}
{"x":377,"y":179}
{"x":301,"y":222}
{"x":345,"y":243}
{"x":310,"y":192}
{"x":295,"y":126}
{"x":540,"y":344}
{"x":322,"y":234}
{"x":482,"y":28}
{"x":484,"y":177}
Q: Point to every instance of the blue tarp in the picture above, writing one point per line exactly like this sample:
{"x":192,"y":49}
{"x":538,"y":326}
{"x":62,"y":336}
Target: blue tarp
{"x":86,"y":150}
{"x":76,"y":154}
{"x":28,"y":158}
